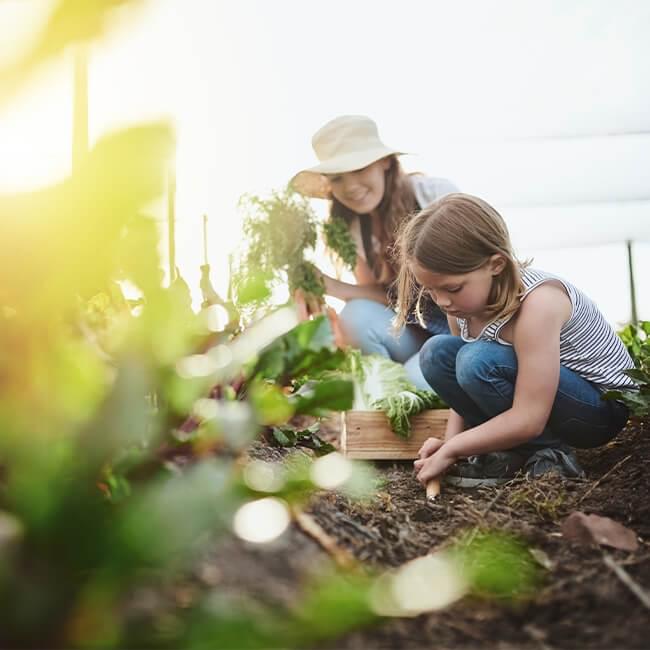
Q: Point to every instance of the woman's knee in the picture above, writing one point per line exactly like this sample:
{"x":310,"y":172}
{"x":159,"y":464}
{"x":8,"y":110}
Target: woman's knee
{"x":363,"y":319}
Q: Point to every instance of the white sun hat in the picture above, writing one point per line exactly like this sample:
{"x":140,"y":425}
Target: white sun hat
{"x":344,"y":144}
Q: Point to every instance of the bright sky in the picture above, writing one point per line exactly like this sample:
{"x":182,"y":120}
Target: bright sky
{"x":540,"y":107}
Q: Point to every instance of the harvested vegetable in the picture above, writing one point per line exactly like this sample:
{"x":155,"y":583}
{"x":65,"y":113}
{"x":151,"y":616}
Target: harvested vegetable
{"x":278,"y":232}
{"x":400,"y":407}
{"x":382,"y":384}
{"x":338,"y":238}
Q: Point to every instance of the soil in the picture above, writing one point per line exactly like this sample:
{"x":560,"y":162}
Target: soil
{"x":582,"y":603}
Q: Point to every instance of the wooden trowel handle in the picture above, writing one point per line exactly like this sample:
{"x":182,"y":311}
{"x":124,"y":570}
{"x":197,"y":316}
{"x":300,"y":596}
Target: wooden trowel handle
{"x":433,"y":489}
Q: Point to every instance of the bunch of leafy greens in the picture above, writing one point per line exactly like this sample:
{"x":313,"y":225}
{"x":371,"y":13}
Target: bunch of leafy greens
{"x":382,"y":384}
{"x":278,"y":232}
{"x":305,"y":352}
{"x":338,"y":239}
{"x":636,"y":338}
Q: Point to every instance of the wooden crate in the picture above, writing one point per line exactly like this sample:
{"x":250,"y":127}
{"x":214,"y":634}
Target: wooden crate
{"x":367,"y":434}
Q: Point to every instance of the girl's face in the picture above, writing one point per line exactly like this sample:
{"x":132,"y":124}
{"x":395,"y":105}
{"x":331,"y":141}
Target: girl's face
{"x":465,"y":295}
{"x":363,"y":189}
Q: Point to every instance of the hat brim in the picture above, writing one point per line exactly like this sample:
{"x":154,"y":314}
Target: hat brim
{"x":312,"y":182}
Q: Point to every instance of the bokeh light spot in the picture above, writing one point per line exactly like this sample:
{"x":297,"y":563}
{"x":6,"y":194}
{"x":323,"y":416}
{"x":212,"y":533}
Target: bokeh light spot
{"x":331,"y":471}
{"x":262,"y":476}
{"x":262,"y":521}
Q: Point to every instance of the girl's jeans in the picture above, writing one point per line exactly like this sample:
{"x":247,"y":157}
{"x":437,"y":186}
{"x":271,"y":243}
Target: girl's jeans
{"x":367,"y":326}
{"x":477,"y":380}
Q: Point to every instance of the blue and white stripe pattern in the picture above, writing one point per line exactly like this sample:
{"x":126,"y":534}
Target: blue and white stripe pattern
{"x":588,"y":344}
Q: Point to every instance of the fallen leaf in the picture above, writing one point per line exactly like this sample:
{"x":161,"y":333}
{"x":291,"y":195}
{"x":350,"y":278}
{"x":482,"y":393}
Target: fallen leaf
{"x":580,"y":528}
{"x":542,"y":558}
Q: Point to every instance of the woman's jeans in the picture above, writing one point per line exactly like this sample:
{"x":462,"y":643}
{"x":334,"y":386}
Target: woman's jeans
{"x":367,"y":326}
{"x":477,"y":380}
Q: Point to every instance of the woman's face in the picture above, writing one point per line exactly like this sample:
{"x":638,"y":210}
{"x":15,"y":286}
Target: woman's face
{"x":363,"y":189}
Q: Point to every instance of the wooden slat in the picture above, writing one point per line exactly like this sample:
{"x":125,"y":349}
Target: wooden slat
{"x":367,"y":435}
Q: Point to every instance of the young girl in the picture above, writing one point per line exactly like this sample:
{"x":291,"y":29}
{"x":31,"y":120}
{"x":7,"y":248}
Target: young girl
{"x":370,"y":192}
{"x":528,"y":357}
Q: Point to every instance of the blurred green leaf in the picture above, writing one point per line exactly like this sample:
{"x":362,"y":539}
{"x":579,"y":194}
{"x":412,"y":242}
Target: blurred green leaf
{"x":333,"y":605}
{"x":76,"y":226}
{"x":254,"y":287}
{"x":497,"y":565}
{"x":319,"y":397}
{"x":271,"y":404}
{"x":307,"y":349}
{"x":70,"y":22}
{"x":166,"y":521}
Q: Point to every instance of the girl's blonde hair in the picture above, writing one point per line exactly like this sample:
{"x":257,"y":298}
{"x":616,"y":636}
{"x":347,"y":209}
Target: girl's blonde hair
{"x":457,"y":234}
{"x":397,"y":204}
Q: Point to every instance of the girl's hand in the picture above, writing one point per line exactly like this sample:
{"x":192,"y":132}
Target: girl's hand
{"x":433,"y":466}
{"x":430,"y":446}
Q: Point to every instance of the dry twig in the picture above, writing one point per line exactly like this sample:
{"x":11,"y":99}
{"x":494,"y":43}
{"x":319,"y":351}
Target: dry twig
{"x":312,"y":528}
{"x":627,"y":580}
{"x":602,"y":478}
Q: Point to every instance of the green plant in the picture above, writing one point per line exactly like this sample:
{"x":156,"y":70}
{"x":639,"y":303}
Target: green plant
{"x":291,"y":437}
{"x":636,"y":338}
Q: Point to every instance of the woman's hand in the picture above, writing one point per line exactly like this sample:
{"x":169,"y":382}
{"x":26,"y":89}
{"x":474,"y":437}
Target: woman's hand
{"x":433,"y":466}
{"x":307,"y":305}
{"x":337,"y":330}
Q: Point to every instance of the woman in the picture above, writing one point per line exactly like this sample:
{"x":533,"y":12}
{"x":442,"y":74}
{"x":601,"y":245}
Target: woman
{"x":368,"y":189}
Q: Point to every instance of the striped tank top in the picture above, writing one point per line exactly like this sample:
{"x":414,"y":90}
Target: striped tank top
{"x":588,"y":344}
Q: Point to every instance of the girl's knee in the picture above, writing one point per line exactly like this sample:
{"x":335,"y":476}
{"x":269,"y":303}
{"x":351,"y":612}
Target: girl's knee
{"x":438,"y":354}
{"x":476,"y":361}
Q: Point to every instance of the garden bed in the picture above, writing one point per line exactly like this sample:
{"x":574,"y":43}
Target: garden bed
{"x":582,"y":603}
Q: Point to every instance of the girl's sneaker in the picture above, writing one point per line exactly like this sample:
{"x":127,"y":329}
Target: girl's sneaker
{"x":554,"y":459}
{"x":502,"y":466}
{"x":487,"y":469}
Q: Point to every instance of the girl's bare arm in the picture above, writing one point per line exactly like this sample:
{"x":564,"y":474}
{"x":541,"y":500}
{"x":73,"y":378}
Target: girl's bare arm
{"x":536,"y":339}
{"x":455,"y":422}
